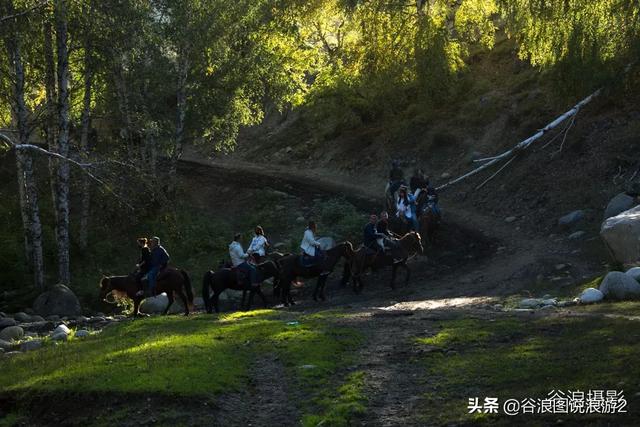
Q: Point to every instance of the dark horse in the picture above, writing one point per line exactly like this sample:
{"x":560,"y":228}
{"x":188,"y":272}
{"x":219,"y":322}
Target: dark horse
{"x":290,"y":268}
{"x":408,"y":245}
{"x":428,"y":219}
{"x":227,"y":278}
{"x":170,"y":281}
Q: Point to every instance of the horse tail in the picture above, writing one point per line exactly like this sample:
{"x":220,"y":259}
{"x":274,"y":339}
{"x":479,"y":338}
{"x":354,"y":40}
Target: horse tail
{"x":187,"y":286}
{"x":206,"y":289}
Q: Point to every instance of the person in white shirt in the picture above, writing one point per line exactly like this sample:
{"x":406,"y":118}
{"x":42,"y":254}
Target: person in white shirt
{"x":237,"y":254}
{"x":259,"y":244}
{"x":309,"y":245}
{"x":404,"y":208}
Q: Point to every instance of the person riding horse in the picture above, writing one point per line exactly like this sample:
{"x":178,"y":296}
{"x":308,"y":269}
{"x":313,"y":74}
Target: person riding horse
{"x":405,"y":208}
{"x":310,"y":246}
{"x":373,"y":239}
{"x":258,"y":245}
{"x":159,"y":260}
{"x":143,"y":265}
{"x":236,"y":253}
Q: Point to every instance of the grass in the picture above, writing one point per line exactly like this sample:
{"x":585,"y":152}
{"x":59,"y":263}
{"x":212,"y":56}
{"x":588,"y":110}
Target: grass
{"x":349,"y":402}
{"x":519,"y":358}
{"x":201,"y":356}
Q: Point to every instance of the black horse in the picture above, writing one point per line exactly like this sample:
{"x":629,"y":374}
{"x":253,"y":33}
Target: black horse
{"x":227,"y":278}
{"x":290,"y":268}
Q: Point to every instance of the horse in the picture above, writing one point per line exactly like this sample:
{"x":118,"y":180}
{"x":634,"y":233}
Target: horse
{"x":170,"y":281}
{"x":290,"y":268}
{"x":408,"y":245}
{"x":227,"y":278}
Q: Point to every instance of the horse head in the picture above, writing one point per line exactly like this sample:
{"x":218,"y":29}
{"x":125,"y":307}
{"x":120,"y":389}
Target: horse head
{"x":412,"y":242}
{"x":346,"y":249}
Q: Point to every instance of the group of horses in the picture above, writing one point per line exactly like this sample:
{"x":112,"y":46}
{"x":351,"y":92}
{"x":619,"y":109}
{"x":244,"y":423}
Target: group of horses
{"x":283,"y":269}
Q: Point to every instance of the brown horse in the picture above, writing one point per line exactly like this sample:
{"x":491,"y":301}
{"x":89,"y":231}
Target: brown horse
{"x":408,"y":245}
{"x":170,"y":281}
{"x":290,"y":268}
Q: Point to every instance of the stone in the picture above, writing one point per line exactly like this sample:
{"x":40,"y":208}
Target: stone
{"x":510,"y":219}
{"x":547,"y":307}
{"x":61,"y":329}
{"x":82,"y":319}
{"x":96,"y":319}
{"x":560,"y":267}
{"x":620,"y":203}
{"x":38,"y":326}
{"x":300,"y":219}
{"x":22,"y":317}
{"x":53,"y":318}
{"x":550,"y":301}
{"x":6,"y":345}
{"x":633,"y":272}
{"x":31,"y":345}
{"x":198,"y":302}
{"x":590,"y":295}
{"x":577,"y":235}
{"x":288,"y":150}
{"x":155,"y":304}
{"x":445,"y":175}
{"x":82,"y":333}
{"x":12,"y":333}
{"x":618,"y":285}
{"x":36,"y":318}
{"x":530,"y":303}
{"x":621,"y":234}
{"x":567,"y":303}
{"x":58,"y":300}
{"x":60,"y":336}
{"x":571,"y":219}
{"x":6,"y":321}
{"x":12,"y":353}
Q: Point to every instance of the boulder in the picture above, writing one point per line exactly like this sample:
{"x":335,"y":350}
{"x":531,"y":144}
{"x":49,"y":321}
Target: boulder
{"x":530,"y":303}
{"x":60,"y":336}
{"x":618,"y":285}
{"x":510,"y":219}
{"x":82,"y":319}
{"x":177,"y":307}
{"x":6,"y":345}
{"x":6,"y":322}
{"x":58,"y":300}
{"x":30,"y":345}
{"x":577,"y":235}
{"x":22,"y":317}
{"x":155,"y":304}
{"x":621,"y":234}
{"x":11,"y":333}
{"x":198,"y":302}
{"x":591,"y":295}
{"x":39,"y":327}
{"x":620,"y":203}
{"x":633,"y":272}
{"x":61,"y":329}
{"x":571,"y":219}
{"x":326,"y":243}
{"x":36,"y":318}
{"x":82,"y":333}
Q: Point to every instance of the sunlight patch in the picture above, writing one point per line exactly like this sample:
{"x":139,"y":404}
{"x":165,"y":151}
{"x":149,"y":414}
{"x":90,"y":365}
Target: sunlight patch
{"x":434,"y":304}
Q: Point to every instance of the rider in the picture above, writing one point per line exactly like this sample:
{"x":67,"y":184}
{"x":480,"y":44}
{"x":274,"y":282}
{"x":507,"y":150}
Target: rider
{"x":159,"y":260}
{"x":258,"y":245}
{"x":390,"y":238}
{"x":237,"y":254}
{"x":143,"y":265}
{"x":372,"y":236}
{"x":248,"y":269}
{"x":396,"y":177}
{"x":433,"y":198}
{"x":309,"y":245}
{"x":417,"y":182}
{"x":405,"y":207}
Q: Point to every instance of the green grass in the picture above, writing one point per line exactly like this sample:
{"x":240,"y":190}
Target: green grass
{"x":184,"y":356}
{"x":349,"y":402}
{"x":519,"y":358}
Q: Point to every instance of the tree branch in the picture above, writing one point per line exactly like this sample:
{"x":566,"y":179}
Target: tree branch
{"x":24,"y":12}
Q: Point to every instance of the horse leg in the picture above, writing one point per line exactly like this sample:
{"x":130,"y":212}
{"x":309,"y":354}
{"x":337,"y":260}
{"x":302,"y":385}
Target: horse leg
{"x":244,"y":295}
{"x":264,"y":299}
{"x":315,"y":290}
{"x":215,"y":299}
{"x":171,"y":299}
{"x":323,"y":284}
{"x":136,"y":306}
{"x":251,"y":293}
{"x":183,"y":298}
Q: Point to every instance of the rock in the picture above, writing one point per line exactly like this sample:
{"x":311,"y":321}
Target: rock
{"x":567,"y":303}
{"x":30,"y":345}
{"x":82,"y":319}
{"x":6,"y":345}
{"x":307,"y":366}
{"x":176,"y":307}
{"x":577,"y":235}
{"x":633,"y":272}
{"x":547,"y":307}
{"x":36,"y":318}
{"x":58,"y":300}
{"x":6,"y":321}
{"x":155,"y":304}
{"x":621,"y":234}
{"x":550,"y":301}
{"x":590,"y":295}
{"x":53,"y":318}
{"x":618,"y":285}
{"x":11,"y":333}
{"x":60,"y":336}
{"x":510,"y":219}
{"x":633,"y":189}
{"x":530,"y":303}
{"x":12,"y":353}
{"x":620,"y":203}
{"x":288,"y":150}
{"x":327,"y":243}
{"x":22,"y":317}
{"x":498,"y":307}
{"x":445,"y":175}
{"x":39,"y":327}
{"x":571,"y":219}
{"x":560,"y":267}
{"x":82,"y":333}
{"x":98,"y":319}
{"x":300,"y":219}
{"x":61,"y":329}
{"x":198,"y":302}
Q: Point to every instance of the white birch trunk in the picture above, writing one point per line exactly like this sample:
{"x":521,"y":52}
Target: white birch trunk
{"x":62,"y":187}
{"x":85,"y":123}
{"x":50,"y":119}
{"x":181,"y":107}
